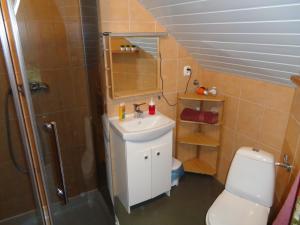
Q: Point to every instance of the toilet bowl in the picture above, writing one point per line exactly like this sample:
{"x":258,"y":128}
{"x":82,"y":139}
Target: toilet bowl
{"x":249,"y":190}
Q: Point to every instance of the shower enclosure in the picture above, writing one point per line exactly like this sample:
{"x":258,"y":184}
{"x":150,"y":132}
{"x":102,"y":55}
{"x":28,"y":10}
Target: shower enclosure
{"x":51,"y":151}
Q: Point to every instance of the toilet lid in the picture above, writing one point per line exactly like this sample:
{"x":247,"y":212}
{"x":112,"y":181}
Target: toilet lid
{"x":229,"y":209}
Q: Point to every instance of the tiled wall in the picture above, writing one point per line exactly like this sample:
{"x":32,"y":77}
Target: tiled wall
{"x":255,"y":114}
{"x":90,"y":28}
{"x":51,"y":36}
{"x":291,"y":147}
{"x":15,"y":188}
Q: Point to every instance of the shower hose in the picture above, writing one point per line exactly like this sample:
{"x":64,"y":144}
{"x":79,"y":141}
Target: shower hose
{"x":12,"y":154}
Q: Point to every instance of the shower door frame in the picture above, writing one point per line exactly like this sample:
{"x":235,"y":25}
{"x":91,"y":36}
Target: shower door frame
{"x":17,"y":75}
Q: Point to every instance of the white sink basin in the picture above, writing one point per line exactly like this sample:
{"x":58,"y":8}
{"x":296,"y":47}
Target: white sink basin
{"x":142,"y":129}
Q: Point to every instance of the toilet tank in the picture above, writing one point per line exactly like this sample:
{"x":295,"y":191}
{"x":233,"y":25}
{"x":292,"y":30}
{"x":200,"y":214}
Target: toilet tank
{"x":252,"y":176}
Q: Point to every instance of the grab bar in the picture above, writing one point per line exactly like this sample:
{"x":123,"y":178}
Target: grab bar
{"x":61,"y":189}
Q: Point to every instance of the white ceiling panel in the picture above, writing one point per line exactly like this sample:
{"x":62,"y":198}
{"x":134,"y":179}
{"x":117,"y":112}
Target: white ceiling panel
{"x":257,"y":38}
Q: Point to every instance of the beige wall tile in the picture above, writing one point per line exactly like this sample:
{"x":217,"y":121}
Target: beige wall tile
{"x":279,"y":97}
{"x":115,"y":27}
{"x":295,"y":111}
{"x":227,"y":144}
{"x":292,"y":133}
{"x":273,"y":128}
{"x":138,"y":13}
{"x":230,"y":112}
{"x":168,"y":48}
{"x":170,"y":74}
{"x":160,"y":28}
{"x":223,"y":168}
{"x":114,"y":10}
{"x":243,"y":140}
{"x":142,"y":27}
{"x":249,"y":119}
{"x":275,"y":96}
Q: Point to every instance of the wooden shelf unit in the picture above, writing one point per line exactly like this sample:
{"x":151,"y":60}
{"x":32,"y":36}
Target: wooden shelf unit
{"x":196,"y":122}
{"x":200,"y":138}
{"x":196,"y":165}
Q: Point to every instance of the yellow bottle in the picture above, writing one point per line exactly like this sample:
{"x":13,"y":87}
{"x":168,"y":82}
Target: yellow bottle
{"x":122,"y":111}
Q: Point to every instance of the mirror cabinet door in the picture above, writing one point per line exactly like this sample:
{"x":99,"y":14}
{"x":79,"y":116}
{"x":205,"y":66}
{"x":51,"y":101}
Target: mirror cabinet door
{"x":134,"y":66}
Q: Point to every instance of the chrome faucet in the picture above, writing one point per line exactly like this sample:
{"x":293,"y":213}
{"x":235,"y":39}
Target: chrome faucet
{"x":138,"y":113}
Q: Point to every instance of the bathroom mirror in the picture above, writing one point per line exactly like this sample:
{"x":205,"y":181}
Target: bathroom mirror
{"x":132,"y":64}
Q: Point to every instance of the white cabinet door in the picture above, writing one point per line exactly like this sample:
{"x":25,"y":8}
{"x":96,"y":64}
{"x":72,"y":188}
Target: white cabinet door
{"x":161,"y":169}
{"x":139,"y":175}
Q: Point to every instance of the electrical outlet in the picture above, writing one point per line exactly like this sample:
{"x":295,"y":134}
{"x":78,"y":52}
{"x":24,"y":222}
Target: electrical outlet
{"x":187,"y":71}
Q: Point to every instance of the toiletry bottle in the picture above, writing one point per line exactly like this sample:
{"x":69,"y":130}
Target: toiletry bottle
{"x":151,"y":107}
{"x":122,"y":111}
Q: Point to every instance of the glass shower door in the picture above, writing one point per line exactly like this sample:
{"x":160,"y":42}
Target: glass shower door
{"x":19,"y":201}
{"x":52,"y":48}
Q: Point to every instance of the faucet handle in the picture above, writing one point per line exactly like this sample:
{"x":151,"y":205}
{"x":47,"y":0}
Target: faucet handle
{"x":137,"y":106}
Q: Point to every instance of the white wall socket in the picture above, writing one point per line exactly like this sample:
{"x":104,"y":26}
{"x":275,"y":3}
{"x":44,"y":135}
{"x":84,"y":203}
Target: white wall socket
{"x":187,"y":71}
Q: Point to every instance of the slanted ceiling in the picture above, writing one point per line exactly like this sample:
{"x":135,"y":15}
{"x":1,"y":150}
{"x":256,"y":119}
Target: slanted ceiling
{"x":256,"y":38}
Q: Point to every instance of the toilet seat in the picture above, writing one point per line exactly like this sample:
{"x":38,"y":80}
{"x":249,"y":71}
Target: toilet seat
{"x":229,"y":209}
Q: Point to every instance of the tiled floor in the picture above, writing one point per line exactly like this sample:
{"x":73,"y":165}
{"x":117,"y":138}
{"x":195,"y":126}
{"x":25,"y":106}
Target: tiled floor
{"x":88,"y":209}
{"x":187,"y":204}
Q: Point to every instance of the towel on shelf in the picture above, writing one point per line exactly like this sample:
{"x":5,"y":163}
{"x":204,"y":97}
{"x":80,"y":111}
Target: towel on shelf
{"x":199,"y":116}
{"x":290,"y":205}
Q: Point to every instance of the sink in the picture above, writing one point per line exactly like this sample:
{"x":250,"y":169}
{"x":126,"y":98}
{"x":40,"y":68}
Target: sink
{"x":142,"y":129}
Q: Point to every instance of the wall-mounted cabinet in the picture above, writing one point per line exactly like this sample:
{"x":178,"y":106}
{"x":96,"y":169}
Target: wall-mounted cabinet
{"x":132,"y":62}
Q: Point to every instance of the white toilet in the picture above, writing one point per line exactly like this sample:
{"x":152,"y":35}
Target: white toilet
{"x":249,"y":190}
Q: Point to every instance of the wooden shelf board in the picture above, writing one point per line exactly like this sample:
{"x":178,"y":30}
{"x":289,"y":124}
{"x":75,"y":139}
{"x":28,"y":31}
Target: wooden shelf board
{"x":199,"y":139}
{"x":133,"y":93}
{"x":124,"y":52}
{"x":195,"y":122}
{"x":194,"y":96}
{"x":198,"y":166}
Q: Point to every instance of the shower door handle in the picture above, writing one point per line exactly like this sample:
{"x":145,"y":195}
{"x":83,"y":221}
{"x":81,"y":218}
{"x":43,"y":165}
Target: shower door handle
{"x":61,"y":189}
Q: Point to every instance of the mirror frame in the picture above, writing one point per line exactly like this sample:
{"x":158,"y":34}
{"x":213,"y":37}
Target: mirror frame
{"x":109,"y":78}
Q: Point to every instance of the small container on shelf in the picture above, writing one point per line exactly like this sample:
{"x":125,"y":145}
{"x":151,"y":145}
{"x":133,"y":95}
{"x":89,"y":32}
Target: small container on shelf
{"x":122,"y":48}
{"x":133,"y":48}
{"x":127,"y":48}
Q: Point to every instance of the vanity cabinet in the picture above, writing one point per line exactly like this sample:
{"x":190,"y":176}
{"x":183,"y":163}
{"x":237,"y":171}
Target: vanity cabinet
{"x":142,"y":169}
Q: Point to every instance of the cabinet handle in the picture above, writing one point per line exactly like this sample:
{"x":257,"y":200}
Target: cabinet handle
{"x":157,"y":153}
{"x":146,"y":157}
